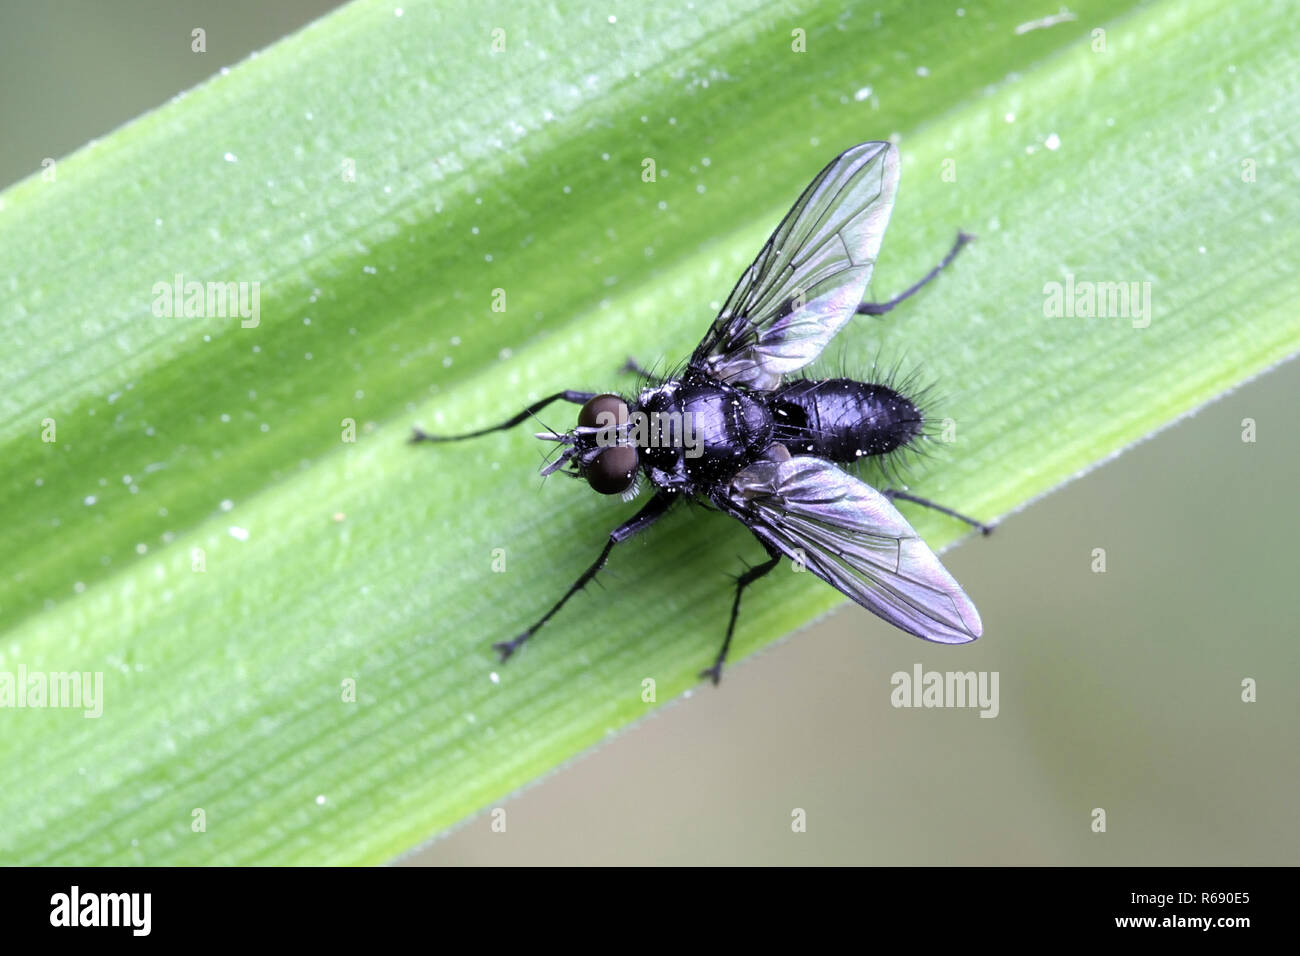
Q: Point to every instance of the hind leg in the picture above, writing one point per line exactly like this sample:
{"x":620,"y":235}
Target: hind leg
{"x":892,"y":493}
{"x":880,"y":308}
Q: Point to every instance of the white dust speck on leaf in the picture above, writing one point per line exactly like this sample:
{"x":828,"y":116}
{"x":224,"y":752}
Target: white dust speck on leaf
{"x":238,"y":533}
{"x":1042,"y":23}
{"x":1053,"y":142}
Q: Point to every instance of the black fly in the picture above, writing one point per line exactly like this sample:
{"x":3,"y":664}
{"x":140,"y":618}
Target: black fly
{"x":731,"y":432}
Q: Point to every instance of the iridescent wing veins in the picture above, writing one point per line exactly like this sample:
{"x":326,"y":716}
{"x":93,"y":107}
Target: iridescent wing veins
{"x":810,"y":276}
{"x":852,"y":537}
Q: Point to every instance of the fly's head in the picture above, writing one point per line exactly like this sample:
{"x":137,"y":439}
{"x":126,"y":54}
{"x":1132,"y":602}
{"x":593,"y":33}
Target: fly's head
{"x":600,"y":449}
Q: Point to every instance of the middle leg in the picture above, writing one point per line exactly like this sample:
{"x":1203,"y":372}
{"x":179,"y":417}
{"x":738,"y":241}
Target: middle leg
{"x":742,"y":582}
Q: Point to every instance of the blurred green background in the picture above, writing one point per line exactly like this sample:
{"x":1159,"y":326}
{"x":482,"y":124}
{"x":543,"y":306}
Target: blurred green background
{"x":1119,"y":690}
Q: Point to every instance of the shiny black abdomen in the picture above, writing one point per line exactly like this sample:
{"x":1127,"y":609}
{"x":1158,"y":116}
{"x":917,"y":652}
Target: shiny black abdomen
{"x":843,"y":420}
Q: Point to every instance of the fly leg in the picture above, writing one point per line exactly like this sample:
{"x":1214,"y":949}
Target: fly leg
{"x":742,"y":582}
{"x":568,"y":395}
{"x":634,"y":367}
{"x":652,"y":512}
{"x":892,"y":493}
{"x":880,"y":308}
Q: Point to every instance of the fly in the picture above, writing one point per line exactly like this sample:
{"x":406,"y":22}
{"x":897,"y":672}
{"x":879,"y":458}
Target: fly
{"x":733,"y":432}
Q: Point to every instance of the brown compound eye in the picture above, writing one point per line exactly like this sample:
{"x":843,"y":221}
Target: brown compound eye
{"x":603,"y":411}
{"x":613,"y":471}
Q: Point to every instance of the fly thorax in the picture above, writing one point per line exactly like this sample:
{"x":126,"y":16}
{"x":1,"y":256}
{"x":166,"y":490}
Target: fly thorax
{"x":728,"y":425}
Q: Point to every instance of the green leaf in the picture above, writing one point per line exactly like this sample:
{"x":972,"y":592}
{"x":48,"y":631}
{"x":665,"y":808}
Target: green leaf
{"x":202,"y":534}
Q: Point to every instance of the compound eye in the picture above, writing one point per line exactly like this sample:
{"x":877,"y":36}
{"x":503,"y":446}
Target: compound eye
{"x":603,"y":411}
{"x":613,"y":470}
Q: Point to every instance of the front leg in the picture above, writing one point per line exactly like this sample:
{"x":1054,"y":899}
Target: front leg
{"x":633,"y":367}
{"x":654,"y":510}
{"x":568,"y":395}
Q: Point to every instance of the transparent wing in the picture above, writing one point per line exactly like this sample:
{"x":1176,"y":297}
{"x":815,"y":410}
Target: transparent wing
{"x":809,"y":278}
{"x":852,"y":537}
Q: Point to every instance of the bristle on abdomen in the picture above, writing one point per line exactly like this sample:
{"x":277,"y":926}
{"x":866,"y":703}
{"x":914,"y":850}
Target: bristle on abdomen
{"x":845,"y":420}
